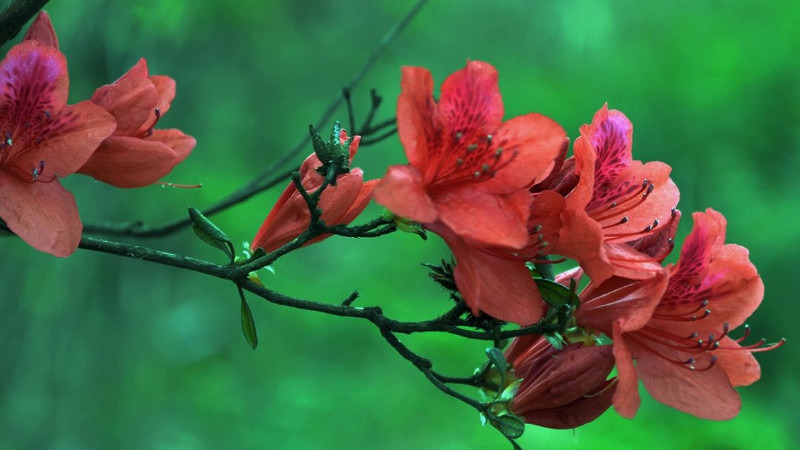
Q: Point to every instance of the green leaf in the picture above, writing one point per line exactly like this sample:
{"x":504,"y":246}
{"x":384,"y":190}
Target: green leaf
{"x":248,"y":323}
{"x":210,"y":233}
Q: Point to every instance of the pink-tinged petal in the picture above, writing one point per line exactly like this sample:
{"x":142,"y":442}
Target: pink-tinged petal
{"x":627,"y":304}
{"x":33,"y":79}
{"x":129,"y":162}
{"x":500,"y":287}
{"x":611,"y":135}
{"x":43,"y":214}
{"x":626,"y":398}
{"x":577,"y":413}
{"x":416,"y":112}
{"x":131,"y":99}
{"x":78,"y":131}
{"x":709,"y":270}
{"x":165,"y":88}
{"x":532,"y":142}
{"x":487,"y":219}
{"x":179,"y":142}
{"x":703,"y":393}
{"x":470,"y":102}
{"x":402,"y":191}
{"x":41,"y":30}
{"x":740,"y":366}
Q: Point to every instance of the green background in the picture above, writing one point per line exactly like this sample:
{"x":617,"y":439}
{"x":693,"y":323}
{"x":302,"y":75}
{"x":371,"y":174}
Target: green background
{"x":103,"y":352}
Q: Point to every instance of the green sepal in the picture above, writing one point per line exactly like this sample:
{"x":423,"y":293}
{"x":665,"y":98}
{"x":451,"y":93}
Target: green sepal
{"x":499,"y":361}
{"x":248,"y":323}
{"x":506,"y":422}
{"x":405,"y":225}
{"x":331,"y":153}
{"x":210,"y":233}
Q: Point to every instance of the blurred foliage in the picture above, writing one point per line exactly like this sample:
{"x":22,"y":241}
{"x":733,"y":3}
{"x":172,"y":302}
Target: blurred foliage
{"x":102,"y":352}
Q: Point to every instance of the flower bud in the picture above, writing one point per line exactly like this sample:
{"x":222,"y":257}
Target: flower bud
{"x":561,"y":388}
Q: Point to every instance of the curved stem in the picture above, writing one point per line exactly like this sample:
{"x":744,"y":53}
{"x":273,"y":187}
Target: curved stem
{"x":258,"y":183}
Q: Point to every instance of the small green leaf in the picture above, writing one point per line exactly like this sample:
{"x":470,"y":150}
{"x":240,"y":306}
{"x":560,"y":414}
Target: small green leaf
{"x":210,"y":233}
{"x":248,"y":324}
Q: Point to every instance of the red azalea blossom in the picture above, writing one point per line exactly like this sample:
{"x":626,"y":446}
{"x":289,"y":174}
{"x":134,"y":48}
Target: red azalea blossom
{"x":43,"y":139}
{"x":563,"y":388}
{"x":340,"y":204}
{"x":467,"y":169}
{"x":676,"y":327}
{"x":137,"y":155}
{"x":613,"y":200}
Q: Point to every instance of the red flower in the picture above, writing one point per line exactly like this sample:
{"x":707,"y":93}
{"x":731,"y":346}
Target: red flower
{"x":678,"y":332}
{"x":493,"y":280}
{"x":467,"y":170}
{"x":614,"y":200}
{"x":43,"y":139}
{"x":137,"y":155}
{"x":560,"y":388}
{"x":340,"y":204}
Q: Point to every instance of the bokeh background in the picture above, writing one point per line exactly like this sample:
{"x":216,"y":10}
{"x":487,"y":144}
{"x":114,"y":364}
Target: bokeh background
{"x":104,"y":352}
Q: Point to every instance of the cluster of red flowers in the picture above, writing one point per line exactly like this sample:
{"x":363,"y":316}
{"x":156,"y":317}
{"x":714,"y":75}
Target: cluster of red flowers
{"x":109,"y":137}
{"x":504,"y":196}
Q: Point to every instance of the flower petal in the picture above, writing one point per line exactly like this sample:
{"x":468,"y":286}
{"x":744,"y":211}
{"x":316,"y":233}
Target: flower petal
{"x":165,"y":88}
{"x":740,"y":365}
{"x":470,"y":102}
{"x":500,"y":287}
{"x":416,"y":112}
{"x":627,"y":304}
{"x":493,"y":220}
{"x":703,"y":393}
{"x":402,"y":191}
{"x":43,"y":214}
{"x":41,"y":29}
{"x":33,"y":79}
{"x":534,"y":141}
{"x":129,"y":162}
{"x":577,"y":413}
{"x":80,"y":130}
{"x":131,"y":99}
{"x":626,"y":398}
{"x":180,"y":143}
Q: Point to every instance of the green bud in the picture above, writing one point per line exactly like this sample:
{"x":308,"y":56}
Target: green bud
{"x":331,"y":153}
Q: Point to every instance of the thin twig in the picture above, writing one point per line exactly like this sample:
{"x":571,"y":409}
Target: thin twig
{"x":257,"y":184}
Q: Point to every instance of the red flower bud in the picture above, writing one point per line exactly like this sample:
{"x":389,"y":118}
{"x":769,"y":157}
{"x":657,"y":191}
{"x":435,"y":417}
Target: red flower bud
{"x":561,"y":388}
